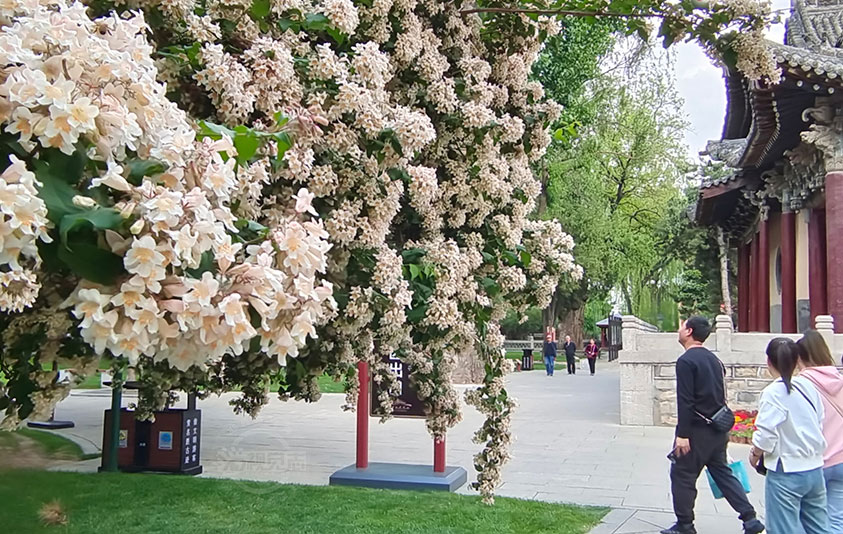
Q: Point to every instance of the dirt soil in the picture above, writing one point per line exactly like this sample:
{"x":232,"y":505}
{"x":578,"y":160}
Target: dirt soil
{"x":21,"y":452}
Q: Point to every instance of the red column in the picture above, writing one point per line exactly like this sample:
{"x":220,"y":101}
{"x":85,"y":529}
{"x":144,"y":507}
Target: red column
{"x":363,"y":416}
{"x":834,"y":246}
{"x":743,"y":287}
{"x":788,"y":234}
{"x":439,"y":455}
{"x":816,"y":265}
{"x":764,"y":276}
{"x":753,"y":285}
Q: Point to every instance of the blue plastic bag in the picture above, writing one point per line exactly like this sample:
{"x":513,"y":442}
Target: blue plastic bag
{"x":739,"y":470}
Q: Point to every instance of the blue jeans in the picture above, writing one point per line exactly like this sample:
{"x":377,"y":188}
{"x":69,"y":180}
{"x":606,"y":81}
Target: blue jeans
{"x":834,"y":491}
{"x":796,"y":503}
{"x":549,"y":362}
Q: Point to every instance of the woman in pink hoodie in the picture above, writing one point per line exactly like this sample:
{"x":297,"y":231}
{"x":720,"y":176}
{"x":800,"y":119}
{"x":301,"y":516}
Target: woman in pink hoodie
{"x":817,"y":366}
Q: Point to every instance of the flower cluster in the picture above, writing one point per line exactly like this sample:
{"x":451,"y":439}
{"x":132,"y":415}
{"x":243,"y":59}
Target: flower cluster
{"x":144,"y":222}
{"x":23,"y":223}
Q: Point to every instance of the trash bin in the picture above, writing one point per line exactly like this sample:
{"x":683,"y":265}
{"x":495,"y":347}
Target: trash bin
{"x":527,"y":360}
{"x":170,"y":444}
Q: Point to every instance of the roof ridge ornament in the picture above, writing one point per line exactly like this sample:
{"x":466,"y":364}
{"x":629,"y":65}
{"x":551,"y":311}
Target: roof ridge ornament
{"x":826,"y":134}
{"x":816,"y":25}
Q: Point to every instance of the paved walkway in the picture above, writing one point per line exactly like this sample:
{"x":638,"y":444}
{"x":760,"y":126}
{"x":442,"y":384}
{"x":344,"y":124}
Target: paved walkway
{"x":569,"y":448}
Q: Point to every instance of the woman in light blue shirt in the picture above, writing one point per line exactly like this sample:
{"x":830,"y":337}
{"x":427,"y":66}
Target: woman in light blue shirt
{"x":789,"y":438}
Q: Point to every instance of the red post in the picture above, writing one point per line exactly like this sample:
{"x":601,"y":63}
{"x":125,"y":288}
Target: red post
{"x":834,"y":246}
{"x":753,"y":287}
{"x":788,"y":234}
{"x":439,"y":455}
{"x":764,"y":276}
{"x":743,"y":287}
{"x":816,"y":265}
{"x":363,"y":416}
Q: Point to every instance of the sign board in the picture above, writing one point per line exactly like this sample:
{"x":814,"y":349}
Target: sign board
{"x":165,"y":441}
{"x":123,"y":437}
{"x":407,"y":404}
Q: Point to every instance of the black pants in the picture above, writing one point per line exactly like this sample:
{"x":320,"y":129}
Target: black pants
{"x":572,"y":365}
{"x":708,"y":449}
{"x":591,"y":362}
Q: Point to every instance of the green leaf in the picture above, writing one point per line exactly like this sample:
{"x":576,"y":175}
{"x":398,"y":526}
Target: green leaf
{"x":417,"y":314}
{"x":91,"y":262}
{"x":526,"y":258}
{"x":206,"y":264}
{"x":246,"y":142}
{"x":260,"y":9}
{"x":414,"y":271}
{"x":412,"y":255}
{"x":100,"y":219}
{"x":491,"y":286}
{"x":138,"y":168}
{"x":67,"y":168}
{"x":398,"y":174}
{"x":284,"y":144}
{"x":55,"y":192}
{"x":286,"y":24}
{"x":336,"y":35}
{"x":316,"y":22}
{"x":214,"y":131}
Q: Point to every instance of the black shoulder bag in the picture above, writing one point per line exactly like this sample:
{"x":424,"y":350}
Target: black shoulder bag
{"x":723,"y":419}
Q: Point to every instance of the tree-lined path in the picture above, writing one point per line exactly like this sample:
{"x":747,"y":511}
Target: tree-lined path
{"x":569,"y":447}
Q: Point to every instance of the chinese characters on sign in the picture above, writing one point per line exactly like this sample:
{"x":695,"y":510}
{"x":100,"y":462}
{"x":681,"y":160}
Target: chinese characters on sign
{"x":407,"y":404}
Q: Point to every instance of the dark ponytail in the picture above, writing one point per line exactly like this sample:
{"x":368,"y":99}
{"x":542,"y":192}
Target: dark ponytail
{"x":783,"y":353}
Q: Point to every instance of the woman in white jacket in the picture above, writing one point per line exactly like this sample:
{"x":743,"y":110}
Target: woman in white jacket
{"x":789,"y":438}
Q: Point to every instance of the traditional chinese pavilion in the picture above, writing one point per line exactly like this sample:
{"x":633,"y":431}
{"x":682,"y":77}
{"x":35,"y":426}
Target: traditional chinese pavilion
{"x":783,"y":205}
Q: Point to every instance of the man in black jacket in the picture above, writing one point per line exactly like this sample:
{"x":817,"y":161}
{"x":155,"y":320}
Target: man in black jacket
{"x":570,"y":352}
{"x":700,"y":391}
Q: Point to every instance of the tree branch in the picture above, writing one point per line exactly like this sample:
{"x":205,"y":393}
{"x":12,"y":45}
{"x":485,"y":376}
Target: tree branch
{"x":552,"y":12}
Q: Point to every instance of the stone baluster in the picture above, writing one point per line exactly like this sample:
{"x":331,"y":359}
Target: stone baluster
{"x":723,"y":329}
{"x":825,"y":326}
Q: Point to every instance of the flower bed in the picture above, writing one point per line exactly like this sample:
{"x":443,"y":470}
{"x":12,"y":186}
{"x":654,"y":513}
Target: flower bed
{"x":744,"y":427}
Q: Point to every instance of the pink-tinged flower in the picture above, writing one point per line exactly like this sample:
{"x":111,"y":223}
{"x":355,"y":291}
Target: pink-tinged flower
{"x":201,"y":291}
{"x":100,"y":334}
{"x":303,"y":202}
{"x":145,"y":314}
{"x":90,"y":305}
{"x":233,"y":309}
{"x":113,"y":178}
{"x":144,"y":259}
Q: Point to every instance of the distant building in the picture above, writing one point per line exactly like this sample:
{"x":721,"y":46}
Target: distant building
{"x":783,"y":205}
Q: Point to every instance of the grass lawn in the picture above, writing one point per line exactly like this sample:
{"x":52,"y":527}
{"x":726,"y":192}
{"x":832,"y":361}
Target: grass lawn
{"x":127,"y":503}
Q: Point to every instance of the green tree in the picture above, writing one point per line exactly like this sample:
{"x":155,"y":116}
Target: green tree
{"x":618,"y":186}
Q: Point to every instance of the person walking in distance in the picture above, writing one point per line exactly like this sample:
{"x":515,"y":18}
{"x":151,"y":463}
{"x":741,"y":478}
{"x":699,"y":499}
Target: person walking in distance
{"x":549,"y":350}
{"x":591,"y":352}
{"x":570,"y":352}
{"x":817,"y":366}
{"x":700,"y":394}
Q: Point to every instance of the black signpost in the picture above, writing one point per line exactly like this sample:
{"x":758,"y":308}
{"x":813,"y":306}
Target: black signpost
{"x":407,"y":404}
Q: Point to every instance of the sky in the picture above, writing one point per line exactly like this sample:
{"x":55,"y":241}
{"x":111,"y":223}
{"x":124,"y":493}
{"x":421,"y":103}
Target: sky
{"x":701,"y":85}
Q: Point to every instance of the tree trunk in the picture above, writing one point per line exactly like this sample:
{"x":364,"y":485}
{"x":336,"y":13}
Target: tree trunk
{"x":572,"y":325}
{"x":628,"y":299}
{"x":724,"y":272}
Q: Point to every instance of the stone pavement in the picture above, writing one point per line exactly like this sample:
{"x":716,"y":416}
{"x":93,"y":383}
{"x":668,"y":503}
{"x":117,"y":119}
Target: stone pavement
{"x":569,"y":448}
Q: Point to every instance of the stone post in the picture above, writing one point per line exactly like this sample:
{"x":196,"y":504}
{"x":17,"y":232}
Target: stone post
{"x":825,"y":326}
{"x":788,"y":266}
{"x":723,"y":329}
{"x":631,"y":328}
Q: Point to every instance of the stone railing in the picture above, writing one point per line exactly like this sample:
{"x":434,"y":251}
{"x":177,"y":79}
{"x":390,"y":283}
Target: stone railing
{"x":648,"y":372}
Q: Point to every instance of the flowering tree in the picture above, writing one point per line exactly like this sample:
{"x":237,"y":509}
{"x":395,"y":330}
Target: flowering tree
{"x":275,"y":189}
